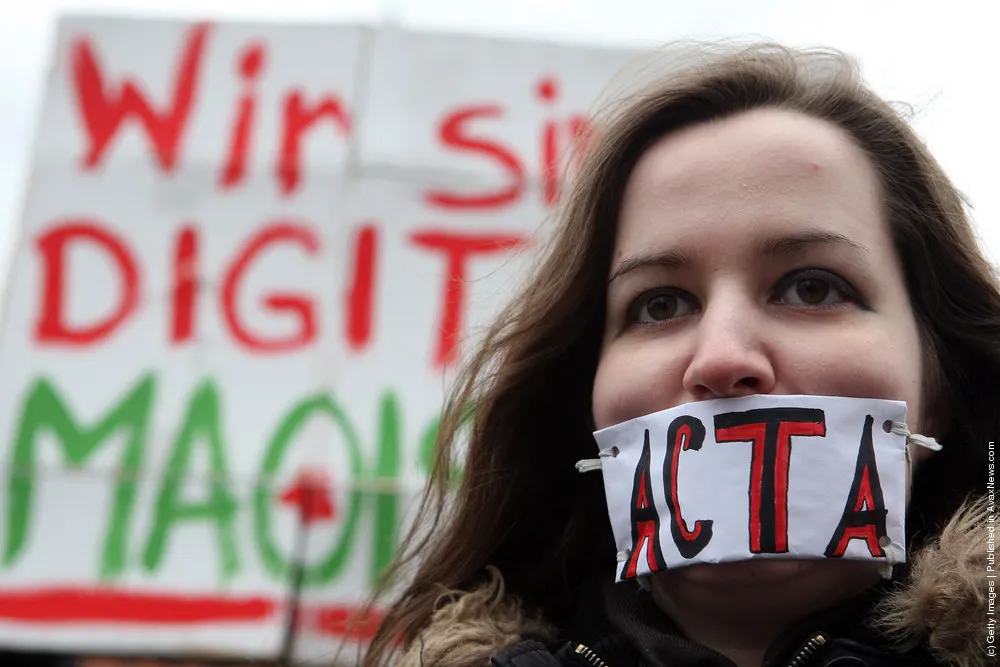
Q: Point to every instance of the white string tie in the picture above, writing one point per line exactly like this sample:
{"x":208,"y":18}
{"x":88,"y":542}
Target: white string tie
{"x":587,"y":465}
{"x":894,"y":554}
{"x":900,"y":428}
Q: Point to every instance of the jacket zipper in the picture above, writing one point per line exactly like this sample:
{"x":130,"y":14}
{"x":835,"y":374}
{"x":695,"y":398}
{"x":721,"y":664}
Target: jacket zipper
{"x":800,"y":659}
{"x":589,"y":656}
{"x":808,"y":650}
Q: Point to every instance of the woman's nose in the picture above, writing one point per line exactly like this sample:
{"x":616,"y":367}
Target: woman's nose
{"x":730,"y":358}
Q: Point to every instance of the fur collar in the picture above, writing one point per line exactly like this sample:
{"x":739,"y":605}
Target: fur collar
{"x":942,"y":606}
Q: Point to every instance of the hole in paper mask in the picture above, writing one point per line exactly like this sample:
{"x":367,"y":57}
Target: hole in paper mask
{"x":887,"y":426}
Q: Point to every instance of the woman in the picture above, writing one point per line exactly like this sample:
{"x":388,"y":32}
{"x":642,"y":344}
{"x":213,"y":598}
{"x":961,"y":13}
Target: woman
{"x":756,"y":221}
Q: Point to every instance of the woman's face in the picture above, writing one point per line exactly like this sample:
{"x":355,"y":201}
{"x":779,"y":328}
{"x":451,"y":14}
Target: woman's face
{"x":752,"y":257}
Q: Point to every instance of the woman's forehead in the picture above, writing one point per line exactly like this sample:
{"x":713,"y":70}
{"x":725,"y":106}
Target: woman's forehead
{"x":791,"y":143}
{"x":766,"y":173}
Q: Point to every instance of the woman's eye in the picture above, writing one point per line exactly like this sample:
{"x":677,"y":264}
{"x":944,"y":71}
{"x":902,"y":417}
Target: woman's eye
{"x":815,"y":289}
{"x":659,"y":306}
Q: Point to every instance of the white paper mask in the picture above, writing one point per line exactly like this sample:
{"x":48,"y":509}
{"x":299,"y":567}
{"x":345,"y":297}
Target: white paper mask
{"x":757,"y":477}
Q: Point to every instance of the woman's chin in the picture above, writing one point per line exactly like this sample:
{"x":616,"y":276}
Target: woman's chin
{"x":772,"y":576}
{"x":745,"y":573}
{"x":761,"y":590}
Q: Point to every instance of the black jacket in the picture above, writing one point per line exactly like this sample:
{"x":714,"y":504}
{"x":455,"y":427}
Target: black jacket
{"x":637,"y":634}
{"x":619,"y":625}
{"x":935,"y":613}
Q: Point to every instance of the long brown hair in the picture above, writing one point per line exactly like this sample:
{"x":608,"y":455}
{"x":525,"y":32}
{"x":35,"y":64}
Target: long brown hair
{"x":520,"y":505}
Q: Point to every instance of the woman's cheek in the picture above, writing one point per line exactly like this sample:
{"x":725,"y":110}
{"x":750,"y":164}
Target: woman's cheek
{"x":634,"y":380}
{"x":860,"y":363}
{"x":614,"y":386}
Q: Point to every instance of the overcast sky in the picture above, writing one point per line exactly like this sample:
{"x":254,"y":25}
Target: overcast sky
{"x":939,"y":56}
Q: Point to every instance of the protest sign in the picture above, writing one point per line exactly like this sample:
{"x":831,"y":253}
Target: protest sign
{"x":756,"y":477}
{"x":250,"y":258}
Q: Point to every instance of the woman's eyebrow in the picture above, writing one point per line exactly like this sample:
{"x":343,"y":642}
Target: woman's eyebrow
{"x":793,"y":243}
{"x":669,"y":259}
{"x":778,"y":245}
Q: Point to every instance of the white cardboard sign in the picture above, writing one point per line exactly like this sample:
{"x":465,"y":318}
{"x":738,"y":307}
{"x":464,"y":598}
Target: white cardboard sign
{"x":755,"y":477}
{"x":251,"y":256}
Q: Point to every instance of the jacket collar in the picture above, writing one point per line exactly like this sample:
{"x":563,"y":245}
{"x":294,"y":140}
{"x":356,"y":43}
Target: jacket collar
{"x":941,"y":608}
{"x":659,"y":641}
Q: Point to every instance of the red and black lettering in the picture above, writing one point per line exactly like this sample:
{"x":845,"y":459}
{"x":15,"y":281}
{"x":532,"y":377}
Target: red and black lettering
{"x":645,"y":520}
{"x":865,"y":511}
{"x":684,"y":433}
{"x":770,"y":430}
